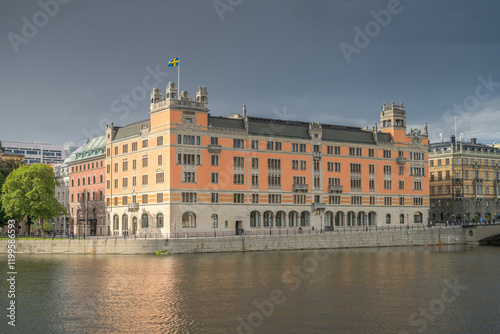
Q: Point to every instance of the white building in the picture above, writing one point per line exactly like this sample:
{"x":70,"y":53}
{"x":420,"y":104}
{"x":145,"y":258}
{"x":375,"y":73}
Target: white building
{"x":39,"y":152}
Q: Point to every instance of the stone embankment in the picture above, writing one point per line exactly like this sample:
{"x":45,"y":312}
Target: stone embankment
{"x":395,"y":238}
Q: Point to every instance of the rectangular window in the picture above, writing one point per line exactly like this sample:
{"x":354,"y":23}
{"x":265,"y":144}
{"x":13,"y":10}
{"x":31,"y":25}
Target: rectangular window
{"x":371,"y":152}
{"x":303,"y":165}
{"x":116,"y":167}
{"x":125,"y":182}
{"x":255,"y":180}
{"x":124,"y":200}
{"x":160,"y":160}
{"x":274,"y":164}
{"x":145,"y":179}
{"x":160,"y":177}
{"x":401,"y":201}
{"x":371,"y":169}
{"x":274,"y":199}
{"x":238,"y":162}
{"x":116,"y":183}
{"x":134,"y":146}
{"x":401,"y":184}
{"x":299,"y":199}
{"x":387,"y":154}
{"x":144,"y":143}
{"x":189,"y":177}
{"x":238,"y":198}
{"x":188,"y":197}
{"x":125,"y":165}
{"x":116,"y":150}
{"x":255,"y":163}
{"x":144,"y":161}
{"x":215,"y":177}
{"x":215,"y":197}
{"x":302,"y":148}
{"x":356,"y":200}
{"x":387,"y":184}
{"x":387,"y":200}
{"x":159,"y":198}
{"x":255,"y":144}
{"x":214,"y":160}
{"x":159,"y":141}
{"x":401,"y":170}
{"x":329,"y":150}
{"x":134,"y":164}
{"x":334,"y":199}
{"x":372,"y":200}
{"x":255,"y":198}
{"x":329,"y":166}
{"x":337,"y":166}
{"x":238,"y":143}
{"x":214,"y":141}
{"x":295,"y":147}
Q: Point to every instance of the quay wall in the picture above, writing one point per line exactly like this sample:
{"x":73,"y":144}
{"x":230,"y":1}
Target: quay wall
{"x":395,"y":238}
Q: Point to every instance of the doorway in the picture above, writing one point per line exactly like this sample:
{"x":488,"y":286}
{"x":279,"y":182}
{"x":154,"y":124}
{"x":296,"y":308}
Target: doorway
{"x":239,"y":227}
{"x":134,"y":226}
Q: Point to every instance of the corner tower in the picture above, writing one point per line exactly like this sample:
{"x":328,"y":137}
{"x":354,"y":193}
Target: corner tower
{"x":393,"y":120}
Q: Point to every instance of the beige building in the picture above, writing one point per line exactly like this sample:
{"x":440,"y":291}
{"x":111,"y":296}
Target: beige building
{"x":464,"y":181}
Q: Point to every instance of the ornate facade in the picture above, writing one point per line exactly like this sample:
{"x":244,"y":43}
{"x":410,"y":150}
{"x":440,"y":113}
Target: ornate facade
{"x":464,"y":181}
{"x":184,"y":170}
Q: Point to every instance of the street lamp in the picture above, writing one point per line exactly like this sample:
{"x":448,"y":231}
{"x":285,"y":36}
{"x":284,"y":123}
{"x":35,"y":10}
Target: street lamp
{"x":321,"y":224}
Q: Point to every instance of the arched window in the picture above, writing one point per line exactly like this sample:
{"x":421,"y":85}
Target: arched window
{"x":145,"y":220}
{"x":100,"y":195}
{"x":280,"y":219}
{"x":214,"y":221}
{"x":116,"y":223}
{"x":304,"y":218}
{"x":417,"y":218}
{"x":402,"y":218}
{"x":125,"y":223}
{"x":254,"y":219}
{"x":388,"y":218}
{"x":159,"y":220}
{"x":188,"y":219}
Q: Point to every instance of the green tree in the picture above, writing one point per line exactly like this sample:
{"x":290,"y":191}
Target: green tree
{"x":29,"y":192}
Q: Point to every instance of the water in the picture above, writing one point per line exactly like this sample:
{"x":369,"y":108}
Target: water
{"x":339,"y":291}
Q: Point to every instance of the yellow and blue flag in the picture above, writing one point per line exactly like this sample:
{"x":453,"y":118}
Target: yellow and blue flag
{"x":173,"y":62}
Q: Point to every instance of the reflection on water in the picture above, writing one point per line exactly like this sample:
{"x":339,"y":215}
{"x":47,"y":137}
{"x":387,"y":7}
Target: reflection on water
{"x":339,"y":291}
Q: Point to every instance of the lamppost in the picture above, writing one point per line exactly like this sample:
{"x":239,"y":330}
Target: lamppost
{"x":408,"y":220}
{"x":321,"y":224}
{"x":270,"y":225}
{"x":213,"y":225}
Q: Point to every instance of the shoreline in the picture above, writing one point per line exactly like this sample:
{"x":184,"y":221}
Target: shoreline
{"x":435,"y":236}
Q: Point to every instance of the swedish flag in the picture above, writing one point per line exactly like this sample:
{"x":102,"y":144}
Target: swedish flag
{"x":173,"y":62}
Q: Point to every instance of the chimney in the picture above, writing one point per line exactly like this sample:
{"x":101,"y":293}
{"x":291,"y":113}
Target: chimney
{"x":473,"y":140}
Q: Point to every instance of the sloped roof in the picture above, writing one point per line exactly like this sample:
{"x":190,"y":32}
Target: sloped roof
{"x":298,"y":129}
{"x":93,"y":149}
{"x":130,"y":130}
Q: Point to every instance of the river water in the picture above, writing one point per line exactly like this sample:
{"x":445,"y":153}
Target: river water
{"x":450,"y":289}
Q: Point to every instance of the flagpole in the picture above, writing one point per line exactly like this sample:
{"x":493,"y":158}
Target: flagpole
{"x":179,"y":77}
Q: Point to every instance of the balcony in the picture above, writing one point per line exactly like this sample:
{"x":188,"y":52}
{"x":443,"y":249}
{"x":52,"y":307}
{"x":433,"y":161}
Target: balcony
{"x":478,"y":180}
{"x":335,"y":188}
{"x":300,"y":187}
{"x":401,"y":161}
{"x":133,"y":207}
{"x":214,"y":149}
{"x":319,"y":206}
{"x":317,"y":154}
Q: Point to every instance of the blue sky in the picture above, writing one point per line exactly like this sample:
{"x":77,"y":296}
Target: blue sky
{"x":67,"y":78}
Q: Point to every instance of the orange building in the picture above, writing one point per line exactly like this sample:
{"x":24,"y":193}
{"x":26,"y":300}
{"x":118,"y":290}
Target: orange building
{"x":184,"y":170}
{"x":86,"y":189}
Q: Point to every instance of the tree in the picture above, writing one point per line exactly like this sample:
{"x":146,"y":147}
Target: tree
{"x":29,"y":192}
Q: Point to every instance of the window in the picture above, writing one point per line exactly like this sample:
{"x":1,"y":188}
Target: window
{"x":159,"y":142}
{"x":116,"y":223}
{"x":299,"y":199}
{"x":371,"y":169}
{"x":215,"y":198}
{"x":179,"y":139}
{"x":401,"y":170}
{"x":356,"y":200}
{"x":214,"y":160}
{"x":388,"y":218}
{"x":134,"y":164}
{"x":134,"y":146}
{"x":255,"y":198}
{"x":238,"y":143}
{"x":189,"y":177}
{"x":387,"y":184}
{"x":329,"y":166}
{"x":274,"y":198}
{"x":144,"y":161}
{"x":329,"y":150}
{"x":302,"y":148}
{"x":371,"y":152}
{"x":387,"y":200}
{"x":215,"y":177}
{"x":188,"y":220}
{"x":124,"y":200}
{"x":159,"y":219}
{"x":125,"y":182}
{"x":295,"y":147}
{"x":160,"y":177}
{"x":125,"y":148}
{"x":255,"y":180}
{"x":417,"y":185}
{"x":189,"y":197}
{"x":387,"y":170}
{"x":116,"y":183}
{"x":303,"y":165}
{"x":337,"y":166}
{"x":274,"y":180}
{"x":238,"y":198}
{"x":116,"y":150}
{"x":316,"y":164}
{"x":214,"y":141}
{"x":238,"y":162}
{"x":145,"y":220}
{"x":159,"y":198}
{"x":145,"y":199}
{"x":401,"y":201}
{"x":255,"y":162}
{"x":401,"y":184}
{"x":145,"y":180}
{"x":125,"y":165}
{"x":372,"y":200}
{"x":336,"y":150}
{"x":255,"y":144}
{"x":334,"y":199}
{"x":418,"y":201}
{"x":160,"y":160}
{"x":274,"y":164}
{"x":134,"y":181}
{"x":144,"y":143}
